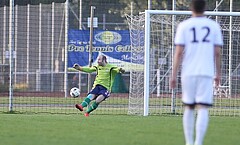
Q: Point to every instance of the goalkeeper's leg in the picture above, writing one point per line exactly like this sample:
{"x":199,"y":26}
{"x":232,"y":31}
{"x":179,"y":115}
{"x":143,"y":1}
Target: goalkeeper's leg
{"x":95,"y":104}
{"x":85,"y":102}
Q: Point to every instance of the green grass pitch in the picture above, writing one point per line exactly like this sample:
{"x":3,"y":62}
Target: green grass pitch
{"x":75,"y":129}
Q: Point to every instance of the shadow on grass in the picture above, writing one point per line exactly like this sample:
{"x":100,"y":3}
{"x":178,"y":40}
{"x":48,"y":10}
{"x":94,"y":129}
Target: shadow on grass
{"x":12,"y":112}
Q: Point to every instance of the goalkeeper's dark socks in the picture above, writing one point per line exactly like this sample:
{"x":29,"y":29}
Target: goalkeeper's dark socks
{"x":85,"y":102}
{"x":92,"y":107}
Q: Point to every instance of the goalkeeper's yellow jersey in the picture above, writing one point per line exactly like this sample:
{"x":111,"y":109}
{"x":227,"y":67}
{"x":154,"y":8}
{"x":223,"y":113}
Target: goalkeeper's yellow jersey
{"x":105,"y":74}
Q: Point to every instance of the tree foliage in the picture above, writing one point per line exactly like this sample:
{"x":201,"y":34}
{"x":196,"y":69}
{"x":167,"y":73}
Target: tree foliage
{"x":33,"y":2}
{"x":113,"y":11}
{"x":138,"y":5}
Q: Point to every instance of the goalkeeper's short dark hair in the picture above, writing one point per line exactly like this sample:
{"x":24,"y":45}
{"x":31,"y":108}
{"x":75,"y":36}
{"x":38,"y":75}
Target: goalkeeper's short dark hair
{"x":198,"y":6}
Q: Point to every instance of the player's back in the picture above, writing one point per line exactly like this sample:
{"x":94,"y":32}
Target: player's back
{"x":198,"y":35}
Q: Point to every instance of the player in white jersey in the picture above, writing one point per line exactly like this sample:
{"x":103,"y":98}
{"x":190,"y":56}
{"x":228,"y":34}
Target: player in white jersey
{"x":198,"y":43}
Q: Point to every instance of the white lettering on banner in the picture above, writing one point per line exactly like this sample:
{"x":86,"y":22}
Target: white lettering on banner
{"x":72,"y":47}
{"x":121,"y":48}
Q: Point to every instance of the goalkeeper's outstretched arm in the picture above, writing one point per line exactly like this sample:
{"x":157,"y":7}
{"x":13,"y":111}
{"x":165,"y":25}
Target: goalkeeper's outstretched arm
{"x":84,"y":69}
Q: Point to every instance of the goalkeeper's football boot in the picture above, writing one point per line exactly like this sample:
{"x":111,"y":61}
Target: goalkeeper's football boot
{"x":79,"y":107}
{"x":86,"y":114}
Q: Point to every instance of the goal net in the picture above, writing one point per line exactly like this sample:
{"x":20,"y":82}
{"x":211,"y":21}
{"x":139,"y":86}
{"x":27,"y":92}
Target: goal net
{"x":35,"y":75}
{"x":152,"y":35}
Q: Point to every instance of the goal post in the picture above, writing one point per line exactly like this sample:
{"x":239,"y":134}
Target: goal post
{"x":159,"y":28}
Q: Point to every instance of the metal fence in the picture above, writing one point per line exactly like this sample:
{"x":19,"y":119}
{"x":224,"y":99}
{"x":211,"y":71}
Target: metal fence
{"x":37,"y":65}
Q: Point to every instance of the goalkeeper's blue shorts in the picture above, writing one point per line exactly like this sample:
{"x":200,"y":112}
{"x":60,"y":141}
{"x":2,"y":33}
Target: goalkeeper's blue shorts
{"x":100,"y":90}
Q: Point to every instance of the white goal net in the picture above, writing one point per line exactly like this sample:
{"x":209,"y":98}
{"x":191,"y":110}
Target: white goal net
{"x":152,"y":36}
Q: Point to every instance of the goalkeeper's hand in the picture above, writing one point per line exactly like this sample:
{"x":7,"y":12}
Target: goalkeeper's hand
{"x":76,"y":66}
{"x":121,"y":70}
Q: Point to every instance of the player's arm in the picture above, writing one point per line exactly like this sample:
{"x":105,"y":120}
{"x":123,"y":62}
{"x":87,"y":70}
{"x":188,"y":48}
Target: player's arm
{"x":176,"y":63}
{"x":217,"y":53}
{"x":218,"y":41}
{"x":179,"y":42}
{"x":84,"y":69}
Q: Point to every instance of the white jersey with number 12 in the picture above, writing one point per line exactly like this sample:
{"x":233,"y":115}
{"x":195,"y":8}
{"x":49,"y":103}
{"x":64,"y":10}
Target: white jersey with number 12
{"x":198,"y":35}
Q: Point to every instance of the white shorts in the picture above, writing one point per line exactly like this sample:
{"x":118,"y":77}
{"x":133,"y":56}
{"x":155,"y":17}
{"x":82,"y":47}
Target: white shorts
{"x":197,"y":90}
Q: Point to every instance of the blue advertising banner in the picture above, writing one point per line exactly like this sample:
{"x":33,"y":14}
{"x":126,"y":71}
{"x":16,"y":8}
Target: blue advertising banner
{"x":115,"y":45}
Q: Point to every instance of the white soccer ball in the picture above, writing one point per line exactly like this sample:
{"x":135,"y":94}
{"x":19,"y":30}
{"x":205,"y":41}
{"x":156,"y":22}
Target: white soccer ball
{"x":75,"y":92}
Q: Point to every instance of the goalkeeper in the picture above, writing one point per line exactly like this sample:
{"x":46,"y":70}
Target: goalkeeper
{"x":102,"y":84}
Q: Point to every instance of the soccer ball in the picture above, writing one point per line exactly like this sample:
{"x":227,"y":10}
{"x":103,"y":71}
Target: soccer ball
{"x":75,"y":92}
